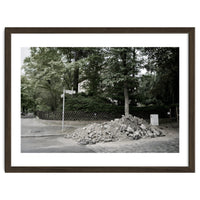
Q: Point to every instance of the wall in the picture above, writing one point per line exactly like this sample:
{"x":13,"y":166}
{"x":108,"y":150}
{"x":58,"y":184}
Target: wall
{"x":77,"y":13}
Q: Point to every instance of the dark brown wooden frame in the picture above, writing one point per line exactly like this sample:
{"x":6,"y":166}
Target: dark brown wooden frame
{"x":113,"y":169}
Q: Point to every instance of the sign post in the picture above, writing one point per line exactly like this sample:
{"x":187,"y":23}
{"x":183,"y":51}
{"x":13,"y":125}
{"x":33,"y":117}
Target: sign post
{"x":63,"y":112}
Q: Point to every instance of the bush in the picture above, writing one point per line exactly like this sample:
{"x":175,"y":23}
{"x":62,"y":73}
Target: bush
{"x":88,"y":104}
{"x":99,"y":104}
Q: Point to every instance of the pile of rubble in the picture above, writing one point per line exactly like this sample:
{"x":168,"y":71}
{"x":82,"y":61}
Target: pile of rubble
{"x":127,"y":126}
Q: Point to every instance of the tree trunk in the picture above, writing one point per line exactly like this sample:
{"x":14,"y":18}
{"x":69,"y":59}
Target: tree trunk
{"x":76,"y":73}
{"x":126,"y":99}
{"x":76,"y":79}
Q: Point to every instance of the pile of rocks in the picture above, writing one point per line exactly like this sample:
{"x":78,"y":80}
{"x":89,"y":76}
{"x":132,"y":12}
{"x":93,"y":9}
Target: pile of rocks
{"x":127,"y":126}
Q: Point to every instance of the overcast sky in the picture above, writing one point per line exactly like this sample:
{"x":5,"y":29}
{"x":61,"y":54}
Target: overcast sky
{"x":25,"y":51}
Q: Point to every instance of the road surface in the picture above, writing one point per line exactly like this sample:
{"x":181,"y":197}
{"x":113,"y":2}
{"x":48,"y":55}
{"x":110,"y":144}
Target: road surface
{"x":45,"y":136}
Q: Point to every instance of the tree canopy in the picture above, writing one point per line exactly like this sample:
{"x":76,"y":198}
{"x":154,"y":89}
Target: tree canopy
{"x":113,"y":74}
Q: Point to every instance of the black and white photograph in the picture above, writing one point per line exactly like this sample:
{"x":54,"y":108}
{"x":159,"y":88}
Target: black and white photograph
{"x":100,"y":99}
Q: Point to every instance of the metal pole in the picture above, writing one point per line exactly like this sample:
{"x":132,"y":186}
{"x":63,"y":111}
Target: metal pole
{"x":63,"y":113}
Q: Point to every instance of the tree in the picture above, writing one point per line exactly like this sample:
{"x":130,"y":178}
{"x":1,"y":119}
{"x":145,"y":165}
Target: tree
{"x":164,"y":64}
{"x":44,"y":68}
{"x":121,"y":68}
{"x":92,"y":69}
{"x":27,"y":95}
{"x":145,"y":89}
{"x":109,"y":73}
{"x":77,"y":55}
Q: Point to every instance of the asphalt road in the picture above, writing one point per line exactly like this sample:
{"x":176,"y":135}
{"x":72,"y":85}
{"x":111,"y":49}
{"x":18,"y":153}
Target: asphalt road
{"x":43,"y":136}
{"x":52,"y":144}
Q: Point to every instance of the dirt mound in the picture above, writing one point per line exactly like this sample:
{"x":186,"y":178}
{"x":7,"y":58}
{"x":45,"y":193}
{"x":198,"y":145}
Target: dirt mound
{"x":127,"y":126}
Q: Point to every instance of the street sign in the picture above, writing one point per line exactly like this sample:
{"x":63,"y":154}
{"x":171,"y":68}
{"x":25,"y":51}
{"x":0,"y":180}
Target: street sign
{"x":70,"y":91}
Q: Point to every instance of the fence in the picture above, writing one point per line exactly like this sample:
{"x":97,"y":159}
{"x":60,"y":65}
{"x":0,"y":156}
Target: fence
{"x":28,"y":115}
{"x":77,"y":115}
{"x":142,"y":112}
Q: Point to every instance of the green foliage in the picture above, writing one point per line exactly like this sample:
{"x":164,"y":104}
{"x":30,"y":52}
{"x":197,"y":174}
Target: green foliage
{"x":164,"y":65}
{"x":45,"y":68}
{"x":145,"y":90}
{"x":120,"y":73}
{"x":87,"y":103}
{"x":121,"y":65}
{"x":27,"y":95}
{"x":107,"y":73}
{"x":91,"y":71}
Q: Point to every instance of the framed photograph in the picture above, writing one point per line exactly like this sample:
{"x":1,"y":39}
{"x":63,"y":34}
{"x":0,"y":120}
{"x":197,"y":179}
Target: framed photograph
{"x":99,"y":99}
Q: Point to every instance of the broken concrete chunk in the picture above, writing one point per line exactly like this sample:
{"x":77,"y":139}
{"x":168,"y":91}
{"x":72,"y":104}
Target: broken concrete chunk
{"x":142,"y":126}
{"x":127,"y":126}
{"x":129,"y":129}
